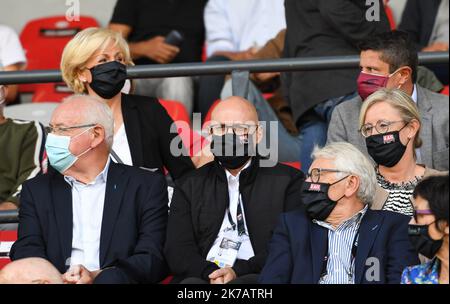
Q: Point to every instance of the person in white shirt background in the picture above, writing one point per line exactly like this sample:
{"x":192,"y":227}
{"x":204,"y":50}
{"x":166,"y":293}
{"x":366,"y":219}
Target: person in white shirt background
{"x":235,"y":30}
{"x":12,"y":57}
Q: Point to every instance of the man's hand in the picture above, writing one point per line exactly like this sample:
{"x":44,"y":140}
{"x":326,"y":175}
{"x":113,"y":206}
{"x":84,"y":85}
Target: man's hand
{"x":7,"y":206}
{"x":436,"y":47}
{"x":78,"y":274}
{"x":265,"y":77}
{"x":222,"y":276}
{"x":239,"y":56}
{"x":155,"y":49}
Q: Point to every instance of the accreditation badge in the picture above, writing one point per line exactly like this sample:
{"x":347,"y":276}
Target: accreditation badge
{"x":227,"y":254}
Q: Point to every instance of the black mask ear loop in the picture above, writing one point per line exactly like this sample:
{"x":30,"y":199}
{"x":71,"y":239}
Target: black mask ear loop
{"x":336,"y":182}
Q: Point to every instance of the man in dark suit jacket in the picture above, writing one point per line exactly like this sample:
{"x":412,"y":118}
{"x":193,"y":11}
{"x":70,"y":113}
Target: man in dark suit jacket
{"x":207,"y":198}
{"x":337,"y":239}
{"x":105,"y":221}
{"x":324,"y":28}
{"x":385,"y":54}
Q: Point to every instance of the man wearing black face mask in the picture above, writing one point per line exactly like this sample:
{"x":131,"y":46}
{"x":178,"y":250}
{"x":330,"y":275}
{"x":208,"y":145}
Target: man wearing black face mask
{"x":337,"y":239}
{"x":390,"y":60}
{"x":222,"y":215}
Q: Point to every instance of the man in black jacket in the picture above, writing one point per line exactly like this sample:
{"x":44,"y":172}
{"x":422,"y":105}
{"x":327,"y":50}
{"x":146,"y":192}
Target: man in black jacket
{"x":428,"y":24}
{"x":324,"y":28}
{"x":223,"y":214}
{"x":94,"y":220}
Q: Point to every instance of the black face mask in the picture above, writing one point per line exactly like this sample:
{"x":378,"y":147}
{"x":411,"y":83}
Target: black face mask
{"x":424,"y":244}
{"x":232,"y":152}
{"x":108,"y":79}
{"x":315,"y":198}
{"x":386,"y":149}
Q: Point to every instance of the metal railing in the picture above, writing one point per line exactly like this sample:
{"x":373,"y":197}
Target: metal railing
{"x":210,"y":68}
{"x":217,"y":68}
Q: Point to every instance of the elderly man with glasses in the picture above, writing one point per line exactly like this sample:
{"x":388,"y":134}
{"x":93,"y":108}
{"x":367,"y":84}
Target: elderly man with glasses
{"x":94,"y":220}
{"x":337,"y":238}
{"x":223,"y":214}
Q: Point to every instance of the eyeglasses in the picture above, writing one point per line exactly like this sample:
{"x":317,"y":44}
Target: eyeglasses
{"x":59,"y":130}
{"x":238,"y":129}
{"x":421,"y":212}
{"x":315,"y":173}
{"x":382,"y":127}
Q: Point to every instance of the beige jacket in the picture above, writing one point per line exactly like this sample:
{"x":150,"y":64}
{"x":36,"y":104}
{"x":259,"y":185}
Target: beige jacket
{"x":381,"y":195}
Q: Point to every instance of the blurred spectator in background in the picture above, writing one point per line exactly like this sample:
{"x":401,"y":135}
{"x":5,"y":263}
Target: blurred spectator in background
{"x":21,"y":153}
{"x":105,"y":221}
{"x":323,"y":28}
{"x":429,"y":232}
{"x":30,"y":271}
{"x":428,"y":24}
{"x":391,"y":124}
{"x":390,"y":60}
{"x":223,"y":214}
{"x":236,"y":30}
{"x":275,"y":108}
{"x":335,"y":237}
{"x":12,"y":58}
{"x":146,"y":24}
{"x":94,"y":62}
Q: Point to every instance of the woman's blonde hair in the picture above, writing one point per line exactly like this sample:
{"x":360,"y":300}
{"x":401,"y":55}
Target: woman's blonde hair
{"x":400,"y":101}
{"x":82,"y":47}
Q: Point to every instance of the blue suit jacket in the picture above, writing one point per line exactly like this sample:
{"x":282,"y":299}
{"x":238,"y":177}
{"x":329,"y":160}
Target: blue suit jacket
{"x":133,"y":226}
{"x":298,"y":248}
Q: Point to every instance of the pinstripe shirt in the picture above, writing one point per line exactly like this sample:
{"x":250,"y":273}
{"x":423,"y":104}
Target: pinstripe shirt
{"x":340,"y":265}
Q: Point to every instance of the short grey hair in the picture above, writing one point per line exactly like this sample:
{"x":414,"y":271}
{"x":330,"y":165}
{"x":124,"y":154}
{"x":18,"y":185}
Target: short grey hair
{"x":348,"y":158}
{"x":98,"y":113}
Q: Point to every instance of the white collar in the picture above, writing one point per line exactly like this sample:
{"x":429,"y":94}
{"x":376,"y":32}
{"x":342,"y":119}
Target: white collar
{"x":101,"y":177}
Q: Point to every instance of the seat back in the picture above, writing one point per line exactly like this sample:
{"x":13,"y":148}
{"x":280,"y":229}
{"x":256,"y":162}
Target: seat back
{"x":7,"y":239}
{"x":44,"y":40}
{"x":51,"y":92}
{"x":209,"y":114}
{"x":41,"y":112}
{"x":296,"y":165}
{"x":176,"y":110}
{"x":390,"y":15}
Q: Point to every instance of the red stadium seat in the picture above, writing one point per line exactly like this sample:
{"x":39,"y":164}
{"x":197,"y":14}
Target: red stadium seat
{"x":176,"y":110}
{"x":267,"y":96}
{"x":445,"y":91}
{"x":208,"y":115}
{"x":193,"y":141}
{"x":7,"y":238}
{"x":296,"y":165}
{"x":51,"y":92}
{"x":44,"y":41}
{"x":390,"y":15}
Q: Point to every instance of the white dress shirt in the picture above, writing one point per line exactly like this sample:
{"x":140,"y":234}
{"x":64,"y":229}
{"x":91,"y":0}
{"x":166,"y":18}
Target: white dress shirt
{"x":246,"y":250}
{"x":87,"y":208}
{"x":237,"y":25}
{"x":121,"y":147}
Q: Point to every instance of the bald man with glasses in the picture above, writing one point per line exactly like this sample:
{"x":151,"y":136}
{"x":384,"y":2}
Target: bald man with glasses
{"x":223,"y":214}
